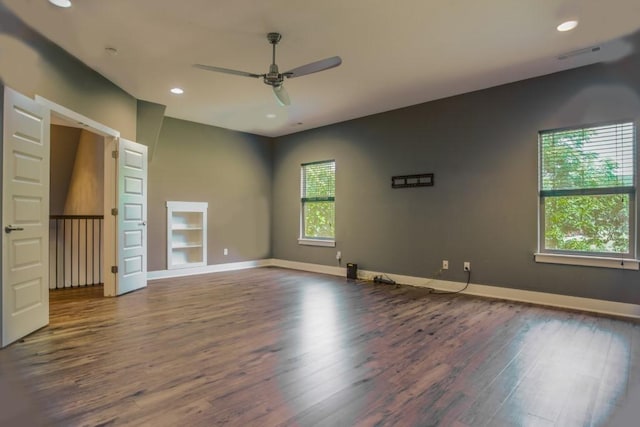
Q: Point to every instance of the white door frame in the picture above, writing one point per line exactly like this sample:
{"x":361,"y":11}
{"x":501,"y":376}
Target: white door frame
{"x":110,"y":197}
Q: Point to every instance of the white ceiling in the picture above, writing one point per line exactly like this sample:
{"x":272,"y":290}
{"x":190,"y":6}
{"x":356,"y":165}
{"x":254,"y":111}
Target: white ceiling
{"x":394,"y":54}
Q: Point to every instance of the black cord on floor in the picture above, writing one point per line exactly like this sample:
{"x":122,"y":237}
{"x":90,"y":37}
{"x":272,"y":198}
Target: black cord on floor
{"x":433,"y":291}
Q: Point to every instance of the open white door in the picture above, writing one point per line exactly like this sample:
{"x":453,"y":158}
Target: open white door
{"x":25,"y":217}
{"x":132,"y":216}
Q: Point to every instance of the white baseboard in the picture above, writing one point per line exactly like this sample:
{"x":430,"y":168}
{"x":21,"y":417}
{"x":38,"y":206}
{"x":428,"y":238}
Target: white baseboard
{"x":540,"y":298}
{"x":313,"y":268}
{"x":215,"y":268}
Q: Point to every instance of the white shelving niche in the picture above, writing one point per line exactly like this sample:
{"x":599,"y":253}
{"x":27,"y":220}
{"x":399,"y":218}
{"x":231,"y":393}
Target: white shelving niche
{"x":186,"y":234}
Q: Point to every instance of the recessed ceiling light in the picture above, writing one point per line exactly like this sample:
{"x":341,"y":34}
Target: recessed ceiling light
{"x":271,"y":116}
{"x":177,"y":91}
{"x":61,"y":3}
{"x":567,"y":25}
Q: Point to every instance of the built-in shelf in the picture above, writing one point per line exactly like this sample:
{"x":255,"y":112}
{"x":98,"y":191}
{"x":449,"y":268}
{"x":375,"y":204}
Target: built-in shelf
{"x":186,"y":234}
{"x":184,"y":227}
{"x":186,"y":246}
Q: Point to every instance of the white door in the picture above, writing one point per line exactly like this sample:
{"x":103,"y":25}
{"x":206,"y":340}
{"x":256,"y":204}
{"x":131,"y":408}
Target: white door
{"x":132,"y":216}
{"x":25,"y":217}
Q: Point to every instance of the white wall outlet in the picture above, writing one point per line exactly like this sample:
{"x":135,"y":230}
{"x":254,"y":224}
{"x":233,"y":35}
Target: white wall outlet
{"x":445,"y":264}
{"x":339,"y":256}
{"x":225,"y":251}
{"x":467,"y":266}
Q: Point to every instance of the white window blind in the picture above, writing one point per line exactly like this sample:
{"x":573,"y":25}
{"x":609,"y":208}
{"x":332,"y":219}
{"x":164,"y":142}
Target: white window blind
{"x":580,"y":160}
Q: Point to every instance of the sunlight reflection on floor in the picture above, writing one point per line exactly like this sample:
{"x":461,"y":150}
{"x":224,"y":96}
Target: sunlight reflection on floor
{"x":321,"y":342}
{"x":554,"y":371}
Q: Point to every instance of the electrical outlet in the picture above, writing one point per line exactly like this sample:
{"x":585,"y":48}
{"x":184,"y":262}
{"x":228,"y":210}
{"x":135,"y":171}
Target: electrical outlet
{"x":339,"y":256}
{"x":225,"y":251}
{"x":467,"y":266}
{"x":445,"y":264}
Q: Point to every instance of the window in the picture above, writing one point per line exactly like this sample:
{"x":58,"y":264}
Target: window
{"x":587,"y":191}
{"x":317,"y":195}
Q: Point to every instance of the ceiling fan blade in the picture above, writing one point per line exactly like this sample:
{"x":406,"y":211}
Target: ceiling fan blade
{"x":281,"y":95}
{"x":314,"y":67}
{"x":227,"y":71}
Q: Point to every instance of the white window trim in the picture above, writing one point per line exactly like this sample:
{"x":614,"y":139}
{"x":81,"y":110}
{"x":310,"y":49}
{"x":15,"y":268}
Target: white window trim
{"x":317,"y":242}
{"x":588,"y":261}
{"x":310,"y":241}
{"x":592,"y":260}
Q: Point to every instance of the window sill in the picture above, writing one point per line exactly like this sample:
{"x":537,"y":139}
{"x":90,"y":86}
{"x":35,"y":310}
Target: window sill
{"x":588,"y":261}
{"x":316,"y":242}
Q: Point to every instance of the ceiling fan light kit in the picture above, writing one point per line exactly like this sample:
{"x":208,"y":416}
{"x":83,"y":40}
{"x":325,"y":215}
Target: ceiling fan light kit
{"x":274,"y":78}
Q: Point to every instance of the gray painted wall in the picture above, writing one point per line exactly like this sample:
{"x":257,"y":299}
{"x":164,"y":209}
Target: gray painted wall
{"x":229,"y":170}
{"x":32,"y":65}
{"x":482,"y":147}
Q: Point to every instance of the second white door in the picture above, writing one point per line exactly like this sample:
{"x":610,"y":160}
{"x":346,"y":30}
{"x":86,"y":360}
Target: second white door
{"x":132,"y":216}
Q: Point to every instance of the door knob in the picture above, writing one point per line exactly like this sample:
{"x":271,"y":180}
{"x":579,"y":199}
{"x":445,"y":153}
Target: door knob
{"x":143,"y":223}
{"x":9,"y":228}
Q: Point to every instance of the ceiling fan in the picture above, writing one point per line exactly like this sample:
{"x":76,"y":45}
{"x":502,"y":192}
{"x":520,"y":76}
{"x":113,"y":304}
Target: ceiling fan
{"x":274,"y":78}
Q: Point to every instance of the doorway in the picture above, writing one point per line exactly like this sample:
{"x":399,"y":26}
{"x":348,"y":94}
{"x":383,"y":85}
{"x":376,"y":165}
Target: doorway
{"x":76,"y":200}
{"x":124,"y":260}
{"x":101,"y":138}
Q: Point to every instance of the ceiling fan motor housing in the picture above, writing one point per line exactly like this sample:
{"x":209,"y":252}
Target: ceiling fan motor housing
{"x":273,"y":77}
{"x":273,"y":80}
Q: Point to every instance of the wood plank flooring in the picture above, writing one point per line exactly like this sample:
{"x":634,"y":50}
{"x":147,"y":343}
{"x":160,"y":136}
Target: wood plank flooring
{"x":275,"y":347}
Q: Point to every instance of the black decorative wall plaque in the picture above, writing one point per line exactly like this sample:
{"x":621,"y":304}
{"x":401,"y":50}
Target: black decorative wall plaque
{"x":410,"y":181}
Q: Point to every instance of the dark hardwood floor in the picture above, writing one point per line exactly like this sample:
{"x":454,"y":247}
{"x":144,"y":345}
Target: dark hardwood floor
{"x":275,"y":347}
